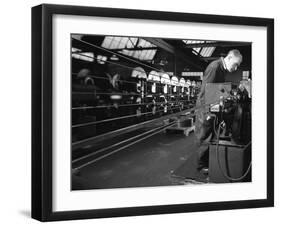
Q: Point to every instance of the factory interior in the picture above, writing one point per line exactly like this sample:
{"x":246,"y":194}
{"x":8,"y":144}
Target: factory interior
{"x":134,"y":105}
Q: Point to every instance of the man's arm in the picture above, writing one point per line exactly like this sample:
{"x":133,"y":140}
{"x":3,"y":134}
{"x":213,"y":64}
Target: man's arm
{"x":209,"y":77}
{"x":210,"y":74}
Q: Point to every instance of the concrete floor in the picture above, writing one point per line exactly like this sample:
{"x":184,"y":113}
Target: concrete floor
{"x":148,"y":163}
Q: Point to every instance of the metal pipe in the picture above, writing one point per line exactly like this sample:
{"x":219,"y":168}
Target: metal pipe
{"x":117,"y":118}
{"x":112,"y":134}
{"x":119,"y":143}
{"x":121,"y":148}
{"x":99,"y":47}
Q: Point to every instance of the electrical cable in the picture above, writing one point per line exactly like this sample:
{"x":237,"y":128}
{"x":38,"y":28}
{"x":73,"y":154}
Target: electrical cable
{"x":104,"y":49}
{"x":120,"y":94}
{"x":126,"y":105}
{"x":115,"y":63}
{"x":219,"y":163}
{"x":118,"y":118}
{"x":123,"y":141}
{"x":135,"y":115}
{"x":120,"y":55}
{"x":123,"y":147}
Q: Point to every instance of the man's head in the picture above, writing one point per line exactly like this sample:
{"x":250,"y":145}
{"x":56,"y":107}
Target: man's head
{"x":233,"y":60}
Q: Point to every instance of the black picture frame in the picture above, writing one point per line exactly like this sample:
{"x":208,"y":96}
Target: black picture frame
{"x":42,"y":120}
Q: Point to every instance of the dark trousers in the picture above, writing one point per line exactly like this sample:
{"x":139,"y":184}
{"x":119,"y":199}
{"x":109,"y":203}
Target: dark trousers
{"x":203,"y":156}
{"x":204,"y":133}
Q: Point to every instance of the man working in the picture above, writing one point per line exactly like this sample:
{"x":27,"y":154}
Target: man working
{"x":214,"y":73}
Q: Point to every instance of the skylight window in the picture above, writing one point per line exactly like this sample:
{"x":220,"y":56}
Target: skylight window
{"x":128,"y":45}
{"x":85,"y":56}
{"x":201,"y":51}
{"x":207,"y":51}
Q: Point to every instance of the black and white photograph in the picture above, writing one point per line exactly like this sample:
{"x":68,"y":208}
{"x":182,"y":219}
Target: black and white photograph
{"x":140,"y":112}
{"x":152,"y":111}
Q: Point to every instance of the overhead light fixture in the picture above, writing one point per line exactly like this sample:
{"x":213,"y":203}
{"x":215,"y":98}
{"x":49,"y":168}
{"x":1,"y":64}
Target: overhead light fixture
{"x":85,"y":56}
{"x":195,"y":52}
{"x":115,"y":97}
{"x":114,"y":57}
{"x":163,"y":62}
{"x":101,"y":59}
{"x":186,"y":69}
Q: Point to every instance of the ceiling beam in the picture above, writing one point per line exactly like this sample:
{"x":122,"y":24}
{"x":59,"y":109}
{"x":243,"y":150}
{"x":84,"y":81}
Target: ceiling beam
{"x":161,"y":44}
{"x":217,"y":44}
{"x":177,"y":52}
{"x":182,"y":56}
{"x":135,"y":48}
{"x":210,"y":58}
